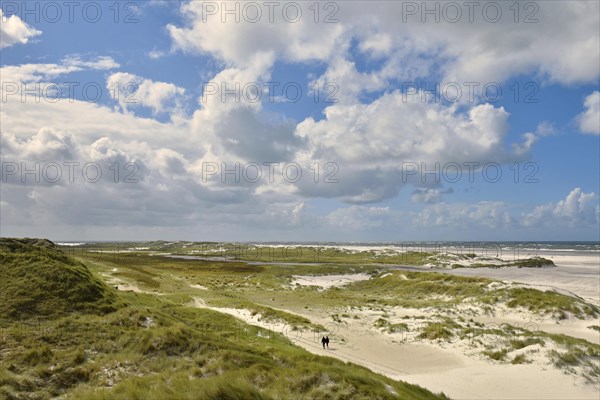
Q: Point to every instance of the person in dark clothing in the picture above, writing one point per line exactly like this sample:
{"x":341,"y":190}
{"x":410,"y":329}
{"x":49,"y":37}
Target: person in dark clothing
{"x":327,"y":341}
{"x":323,"y":340}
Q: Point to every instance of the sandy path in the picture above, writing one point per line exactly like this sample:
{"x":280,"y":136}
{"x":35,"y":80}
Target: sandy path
{"x":121,"y":285}
{"x":438,"y":369}
{"x":450,"y":370}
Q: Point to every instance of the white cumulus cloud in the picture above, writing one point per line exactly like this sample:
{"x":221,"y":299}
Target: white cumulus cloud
{"x":589,"y":120}
{"x":130,"y":91}
{"x":576,"y":210}
{"x":14,"y":31}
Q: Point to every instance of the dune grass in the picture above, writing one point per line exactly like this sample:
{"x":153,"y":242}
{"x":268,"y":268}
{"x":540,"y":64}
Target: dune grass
{"x":435,"y":331}
{"x":548,"y":302}
{"x":186,"y":353}
{"x":406,"y":254}
{"x":90,"y":341}
{"x":240,"y":285}
{"x":39,"y":280}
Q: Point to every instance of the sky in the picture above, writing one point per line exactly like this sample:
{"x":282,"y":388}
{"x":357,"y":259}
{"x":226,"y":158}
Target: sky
{"x":300,"y":121}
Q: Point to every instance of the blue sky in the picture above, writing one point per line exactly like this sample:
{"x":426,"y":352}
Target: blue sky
{"x":541,"y":132}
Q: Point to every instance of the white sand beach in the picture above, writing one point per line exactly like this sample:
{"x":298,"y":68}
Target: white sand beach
{"x":577,"y":274}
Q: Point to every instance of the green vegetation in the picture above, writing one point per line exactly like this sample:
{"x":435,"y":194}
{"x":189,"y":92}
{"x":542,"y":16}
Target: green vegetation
{"x":443,"y":291}
{"x":496,"y":355}
{"x":533,"y":262}
{"x":435,"y":330}
{"x":413,"y":255}
{"x":522,"y":343}
{"x":520,"y":359}
{"x":38,"y":280}
{"x":305,"y":254}
{"x":251,"y":286}
{"x":412,"y":289}
{"x":573,"y":353}
{"x":388,"y":327}
{"x":95,"y":342}
{"x":550,"y":303}
{"x":579,"y":354}
{"x":269,"y":314}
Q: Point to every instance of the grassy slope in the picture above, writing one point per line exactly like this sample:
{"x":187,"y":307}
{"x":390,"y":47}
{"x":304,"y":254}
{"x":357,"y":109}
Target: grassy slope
{"x":267,"y":288}
{"x":184,"y":353}
{"x":38,"y":280}
{"x":236,"y":284}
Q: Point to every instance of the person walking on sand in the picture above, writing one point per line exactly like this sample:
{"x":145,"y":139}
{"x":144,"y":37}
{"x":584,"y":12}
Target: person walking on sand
{"x":327,"y":341}
{"x":323,"y":340}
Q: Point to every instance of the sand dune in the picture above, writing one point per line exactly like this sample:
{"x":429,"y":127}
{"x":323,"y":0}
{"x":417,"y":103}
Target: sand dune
{"x":447,"y":368}
{"x":328,"y":281}
{"x":456,"y":368}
